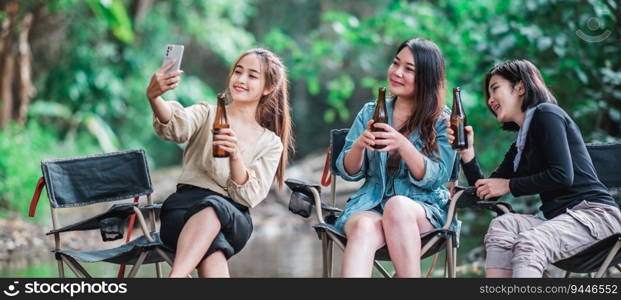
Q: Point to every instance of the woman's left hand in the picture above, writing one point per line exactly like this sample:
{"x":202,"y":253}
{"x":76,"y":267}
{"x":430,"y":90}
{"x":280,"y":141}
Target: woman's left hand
{"x":390,"y":137}
{"x":227,"y":140}
{"x":492,"y":187}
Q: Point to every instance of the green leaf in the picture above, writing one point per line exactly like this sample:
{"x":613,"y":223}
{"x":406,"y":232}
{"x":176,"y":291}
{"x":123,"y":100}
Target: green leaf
{"x":329,"y":116}
{"x":313,"y":85}
{"x":116,"y":17}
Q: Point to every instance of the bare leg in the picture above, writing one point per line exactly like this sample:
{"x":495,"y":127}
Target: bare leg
{"x":403,"y":221}
{"x":195,"y":238}
{"x":214,"y":266}
{"x":364,"y":236}
{"x":498,"y":273}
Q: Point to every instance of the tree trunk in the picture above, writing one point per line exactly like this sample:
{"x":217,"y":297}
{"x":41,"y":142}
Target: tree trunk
{"x":26,"y":88}
{"x":140,"y":9}
{"x":6,"y":64}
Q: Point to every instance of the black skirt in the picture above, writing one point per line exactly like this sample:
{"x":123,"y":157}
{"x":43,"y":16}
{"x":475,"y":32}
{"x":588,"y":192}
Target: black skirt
{"x":235,"y":221}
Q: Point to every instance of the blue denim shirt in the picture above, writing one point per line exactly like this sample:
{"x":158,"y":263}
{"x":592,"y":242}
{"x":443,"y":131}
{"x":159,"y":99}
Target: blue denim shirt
{"x":429,"y":191}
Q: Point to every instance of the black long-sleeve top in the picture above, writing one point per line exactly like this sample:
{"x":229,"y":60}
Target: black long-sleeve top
{"x":554,"y":164}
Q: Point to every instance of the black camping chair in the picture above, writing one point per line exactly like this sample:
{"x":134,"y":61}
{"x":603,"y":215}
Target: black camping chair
{"x":102,"y":178}
{"x":306,"y":196}
{"x":606,"y":253}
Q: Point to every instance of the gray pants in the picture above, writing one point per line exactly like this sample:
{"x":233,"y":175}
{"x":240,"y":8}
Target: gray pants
{"x":526,"y":244}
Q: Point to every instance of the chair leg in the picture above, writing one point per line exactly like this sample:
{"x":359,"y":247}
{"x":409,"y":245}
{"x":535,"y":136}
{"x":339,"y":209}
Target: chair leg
{"x":324,"y":255}
{"x":608,"y":260}
{"x":449,"y":257}
{"x":433,"y":264}
{"x":137,"y":265}
{"x":61,"y":268}
{"x":381,"y":269}
{"x":330,"y":254}
{"x":164,"y":256}
{"x":158,"y":270}
{"x":335,"y":240}
{"x":453,"y":257}
{"x":428,"y":245}
{"x":567,"y":274}
{"x":618,"y":267}
{"x":77,"y":269}
{"x":446,"y":264}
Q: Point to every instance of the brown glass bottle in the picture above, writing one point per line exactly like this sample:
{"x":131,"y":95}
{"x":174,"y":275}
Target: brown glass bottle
{"x":220,"y":122}
{"x":380,"y":115}
{"x":458,"y":122}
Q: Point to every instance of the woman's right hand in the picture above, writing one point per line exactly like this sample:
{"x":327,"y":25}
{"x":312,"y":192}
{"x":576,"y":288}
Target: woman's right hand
{"x":466,"y":154}
{"x":366,"y":140}
{"x":161,"y":82}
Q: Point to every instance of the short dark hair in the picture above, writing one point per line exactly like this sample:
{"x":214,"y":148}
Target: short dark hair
{"x":516,"y":71}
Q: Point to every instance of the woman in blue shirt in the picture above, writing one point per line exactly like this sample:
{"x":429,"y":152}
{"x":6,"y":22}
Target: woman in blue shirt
{"x":403,"y":194}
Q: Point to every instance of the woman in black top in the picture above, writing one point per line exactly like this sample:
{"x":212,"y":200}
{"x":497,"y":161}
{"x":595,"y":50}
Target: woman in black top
{"x":548,"y":158}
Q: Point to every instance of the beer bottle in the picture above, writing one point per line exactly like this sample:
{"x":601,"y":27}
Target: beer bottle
{"x":220,"y":122}
{"x":458,"y":122}
{"x":380,"y":115}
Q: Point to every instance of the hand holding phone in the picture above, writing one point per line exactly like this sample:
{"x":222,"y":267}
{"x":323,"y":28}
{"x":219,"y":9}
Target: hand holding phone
{"x":167,"y":76}
{"x":173,"y":53}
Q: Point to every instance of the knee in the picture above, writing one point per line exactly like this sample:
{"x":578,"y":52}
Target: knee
{"x":527,"y":243}
{"x":530,"y":250}
{"x":502,"y":232}
{"x":401,"y":211}
{"x":366,"y":231}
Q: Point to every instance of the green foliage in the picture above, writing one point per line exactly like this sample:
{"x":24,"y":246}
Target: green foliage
{"x":92,"y":91}
{"x":114,"y":14}
{"x":21,"y":150}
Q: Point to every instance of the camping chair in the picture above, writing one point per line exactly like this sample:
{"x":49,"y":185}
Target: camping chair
{"x":305,"y":196}
{"x":96,"y":179}
{"x":606,"y":253}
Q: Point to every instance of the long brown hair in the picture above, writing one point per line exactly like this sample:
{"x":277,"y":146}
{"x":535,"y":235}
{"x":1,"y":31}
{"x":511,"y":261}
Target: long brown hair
{"x":429,"y":81}
{"x":273,"y":111}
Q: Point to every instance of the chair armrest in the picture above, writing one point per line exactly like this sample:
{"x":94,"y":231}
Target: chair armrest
{"x":306,"y":195}
{"x":35,"y":197}
{"x":143,"y":224}
{"x":469,"y":199}
{"x":330,"y":208}
{"x":121,"y":211}
{"x":499,"y":207}
{"x":297,"y":185}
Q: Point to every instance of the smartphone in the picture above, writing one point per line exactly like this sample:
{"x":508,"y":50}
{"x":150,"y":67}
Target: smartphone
{"x":173,"y":52}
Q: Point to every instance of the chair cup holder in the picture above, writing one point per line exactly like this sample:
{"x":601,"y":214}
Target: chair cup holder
{"x":111,"y":228}
{"x":300,"y":204}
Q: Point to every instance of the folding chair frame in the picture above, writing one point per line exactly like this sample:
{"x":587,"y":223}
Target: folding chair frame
{"x":148,"y":231}
{"x":503,"y":208}
{"x":80,"y":271}
{"x":328,"y":239}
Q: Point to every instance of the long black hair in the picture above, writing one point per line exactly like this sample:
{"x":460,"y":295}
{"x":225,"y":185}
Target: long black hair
{"x":516,"y":71}
{"x":429,"y":80}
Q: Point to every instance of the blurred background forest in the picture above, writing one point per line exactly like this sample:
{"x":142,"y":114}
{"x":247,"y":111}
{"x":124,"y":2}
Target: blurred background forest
{"x":73,"y":73}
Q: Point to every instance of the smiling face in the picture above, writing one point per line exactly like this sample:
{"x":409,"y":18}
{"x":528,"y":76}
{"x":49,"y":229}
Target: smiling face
{"x":401,"y":73}
{"x":247,"y":82}
{"x":505,"y":100}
